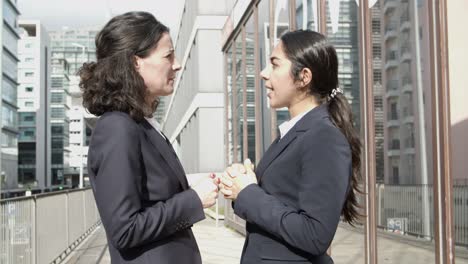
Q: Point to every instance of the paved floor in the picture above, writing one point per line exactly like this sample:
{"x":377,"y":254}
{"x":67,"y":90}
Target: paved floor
{"x":221,"y":245}
{"x":91,"y":250}
{"x":348,"y":248}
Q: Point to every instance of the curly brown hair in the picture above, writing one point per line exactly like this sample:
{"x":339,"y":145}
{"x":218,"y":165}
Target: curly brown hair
{"x":112,"y":83}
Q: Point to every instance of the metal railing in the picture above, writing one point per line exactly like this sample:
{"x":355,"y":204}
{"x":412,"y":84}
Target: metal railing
{"x":408,"y":202}
{"x":45,"y":228}
{"x":231,"y":219}
{"x":405,"y":209}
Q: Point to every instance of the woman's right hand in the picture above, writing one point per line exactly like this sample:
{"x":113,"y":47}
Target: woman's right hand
{"x":207,"y":190}
{"x":236,"y":178}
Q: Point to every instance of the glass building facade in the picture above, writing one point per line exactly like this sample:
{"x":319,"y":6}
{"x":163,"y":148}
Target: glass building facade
{"x":9,"y":120}
{"x":60,"y":122}
{"x":389,"y":68}
{"x":77,"y":46}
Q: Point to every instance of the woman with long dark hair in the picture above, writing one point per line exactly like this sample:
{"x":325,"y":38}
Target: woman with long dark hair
{"x":141,"y":191}
{"x":309,"y":176}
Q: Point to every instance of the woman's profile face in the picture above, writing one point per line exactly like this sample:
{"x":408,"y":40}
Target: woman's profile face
{"x":279,"y":82}
{"x":159,"y":69}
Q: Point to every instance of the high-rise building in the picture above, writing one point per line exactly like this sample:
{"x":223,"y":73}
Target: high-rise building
{"x":34,"y":156}
{"x":343,"y":34}
{"x":378,"y":91}
{"x":342,"y":31}
{"x":9,"y":87}
{"x":406,"y":78}
{"x":195,"y":112}
{"x":60,"y":122}
{"x":81,"y":124}
{"x":77,"y":46}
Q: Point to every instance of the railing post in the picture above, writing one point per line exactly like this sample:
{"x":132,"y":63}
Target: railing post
{"x":84,"y":212}
{"x":35,"y":229}
{"x":67,"y":227}
{"x":32,"y":239}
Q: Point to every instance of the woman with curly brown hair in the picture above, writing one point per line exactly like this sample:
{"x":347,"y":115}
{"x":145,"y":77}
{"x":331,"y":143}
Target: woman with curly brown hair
{"x":141,"y":191}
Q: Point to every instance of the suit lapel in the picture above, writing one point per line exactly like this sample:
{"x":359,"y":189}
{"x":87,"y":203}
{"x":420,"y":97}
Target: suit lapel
{"x":261,"y":164}
{"x":278,"y":146}
{"x":166,"y":152}
{"x":274,"y":151}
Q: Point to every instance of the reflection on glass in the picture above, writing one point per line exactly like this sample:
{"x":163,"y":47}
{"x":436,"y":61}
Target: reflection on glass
{"x":306,"y":13}
{"x":281,"y":22}
{"x":402,"y":88}
{"x":343,"y":33}
{"x":240,"y":75}
{"x":250,"y":75}
{"x":263,"y":55}
{"x":281,"y":18}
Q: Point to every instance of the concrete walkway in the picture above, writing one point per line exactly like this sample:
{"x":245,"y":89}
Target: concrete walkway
{"x":91,"y":250}
{"x":217,"y":245}
{"x":221,"y":245}
{"x":348,"y":248}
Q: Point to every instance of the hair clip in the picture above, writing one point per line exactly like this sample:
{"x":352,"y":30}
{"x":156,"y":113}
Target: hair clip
{"x":335,"y":91}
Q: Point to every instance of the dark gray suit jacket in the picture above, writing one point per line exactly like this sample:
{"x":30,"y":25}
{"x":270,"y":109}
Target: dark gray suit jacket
{"x":293,"y":214}
{"x":142,"y":194}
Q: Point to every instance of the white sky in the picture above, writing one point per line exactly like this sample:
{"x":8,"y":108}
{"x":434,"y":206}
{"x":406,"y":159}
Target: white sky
{"x":55,"y":14}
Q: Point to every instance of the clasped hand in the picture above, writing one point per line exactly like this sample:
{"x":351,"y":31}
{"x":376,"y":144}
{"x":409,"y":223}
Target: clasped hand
{"x":235,"y":178}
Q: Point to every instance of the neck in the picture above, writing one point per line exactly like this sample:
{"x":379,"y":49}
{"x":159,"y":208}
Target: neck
{"x":149,"y":101}
{"x":301,"y":106}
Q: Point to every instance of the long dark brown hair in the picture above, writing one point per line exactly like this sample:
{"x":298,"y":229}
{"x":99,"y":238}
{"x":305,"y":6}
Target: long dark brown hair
{"x":309,"y":49}
{"x":112,"y":83}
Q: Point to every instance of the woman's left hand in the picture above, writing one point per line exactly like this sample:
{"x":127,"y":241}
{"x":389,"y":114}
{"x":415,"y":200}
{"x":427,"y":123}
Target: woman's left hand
{"x":236,"y":178}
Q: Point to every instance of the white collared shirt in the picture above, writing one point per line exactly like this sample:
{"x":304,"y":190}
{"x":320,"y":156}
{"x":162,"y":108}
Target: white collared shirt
{"x":156,"y":125}
{"x":286,"y":126}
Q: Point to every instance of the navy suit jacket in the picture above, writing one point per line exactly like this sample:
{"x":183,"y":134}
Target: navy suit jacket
{"x":142,"y":194}
{"x":293,"y":213}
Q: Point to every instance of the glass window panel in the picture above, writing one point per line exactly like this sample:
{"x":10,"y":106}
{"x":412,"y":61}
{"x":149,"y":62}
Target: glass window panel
{"x":403,"y":131}
{"x":240,"y":75}
{"x":342,"y":32}
{"x":57,"y":98}
{"x":250,"y":75}
{"x":9,"y":140}
{"x":306,"y":13}
{"x":10,"y":40}
{"x":281,"y":22}
{"x":9,"y":65}
{"x":264,"y":55}
{"x":58,"y":113}
{"x":9,"y":116}
{"x":9,"y":14}
{"x":9,"y":92}
{"x":281,"y":18}
{"x":230,"y":130}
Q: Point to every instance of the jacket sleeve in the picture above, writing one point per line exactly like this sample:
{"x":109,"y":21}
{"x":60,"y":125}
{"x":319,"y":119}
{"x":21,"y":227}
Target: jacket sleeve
{"x":325,"y":173}
{"x":116,"y":155}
